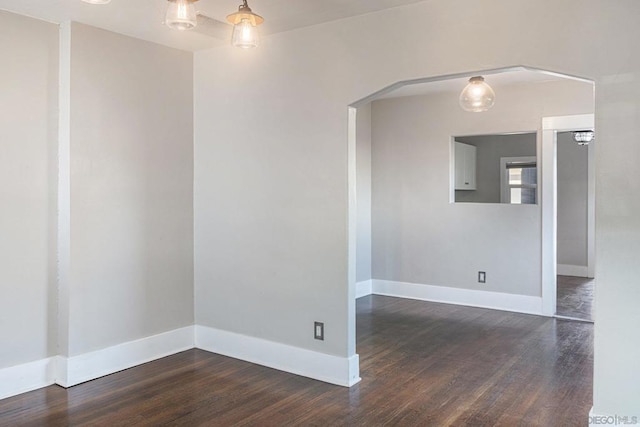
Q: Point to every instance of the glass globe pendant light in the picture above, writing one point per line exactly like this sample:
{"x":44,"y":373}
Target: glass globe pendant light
{"x":477,"y":96}
{"x":583,"y":137}
{"x":181,"y":15}
{"x":245,"y":27}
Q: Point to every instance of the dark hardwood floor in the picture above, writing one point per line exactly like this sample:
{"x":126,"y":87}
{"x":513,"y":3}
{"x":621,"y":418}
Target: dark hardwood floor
{"x":422,"y":364}
{"x":575,"y":297}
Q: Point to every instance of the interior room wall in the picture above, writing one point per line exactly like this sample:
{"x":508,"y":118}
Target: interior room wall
{"x":28,"y":126}
{"x":241,"y":169}
{"x":572,"y":201}
{"x":298,"y":85}
{"x":271,"y":198}
{"x":489,"y":150}
{"x":419,"y":236}
{"x":289,"y":168}
{"x":131,"y":189}
{"x":294,"y":92}
{"x":363,"y":189}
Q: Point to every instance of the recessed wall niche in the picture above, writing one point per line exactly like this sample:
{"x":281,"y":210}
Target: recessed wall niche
{"x":498,"y":168}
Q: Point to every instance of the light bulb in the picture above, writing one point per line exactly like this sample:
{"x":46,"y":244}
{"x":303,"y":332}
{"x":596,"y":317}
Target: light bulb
{"x":245,"y":27}
{"x":181,"y":15}
{"x":97,"y":1}
{"x":477,"y":96}
{"x":245,"y":35}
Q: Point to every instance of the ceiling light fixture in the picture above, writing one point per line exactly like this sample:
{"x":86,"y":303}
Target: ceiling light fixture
{"x":583,"y":137}
{"x":477,"y":96}
{"x":97,"y":1}
{"x":181,"y":15}
{"x":245,"y":27}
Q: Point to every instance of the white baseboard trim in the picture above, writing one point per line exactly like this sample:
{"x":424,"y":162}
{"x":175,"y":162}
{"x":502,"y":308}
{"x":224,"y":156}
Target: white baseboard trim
{"x":573,"y":270}
{"x":331,"y":369}
{"x":364,"y":288}
{"x":70,"y":371}
{"x":468,"y":297}
{"x":88,"y":366}
{"x":26,"y":377}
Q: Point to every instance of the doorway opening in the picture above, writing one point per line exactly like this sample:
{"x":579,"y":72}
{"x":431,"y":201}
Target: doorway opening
{"x":569,"y":218}
{"x":492,"y":255}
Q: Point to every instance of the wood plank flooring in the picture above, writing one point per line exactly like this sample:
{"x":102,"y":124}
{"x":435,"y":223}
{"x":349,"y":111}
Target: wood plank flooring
{"x":575,"y":297}
{"x":422,"y":364}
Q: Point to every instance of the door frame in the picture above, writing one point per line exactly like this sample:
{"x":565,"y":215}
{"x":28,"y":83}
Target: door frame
{"x":549,"y":198}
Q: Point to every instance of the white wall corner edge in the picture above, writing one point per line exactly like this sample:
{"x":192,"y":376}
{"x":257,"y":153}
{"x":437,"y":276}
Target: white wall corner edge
{"x":27,"y":377}
{"x":458,"y":296}
{"x":74,"y":370}
{"x":342,"y":371}
{"x":364,"y":288}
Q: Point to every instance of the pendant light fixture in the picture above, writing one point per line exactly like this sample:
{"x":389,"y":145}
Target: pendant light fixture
{"x":477,"y":96}
{"x":583,"y":137}
{"x":97,"y":1}
{"x":181,"y":15}
{"x":245,"y":27}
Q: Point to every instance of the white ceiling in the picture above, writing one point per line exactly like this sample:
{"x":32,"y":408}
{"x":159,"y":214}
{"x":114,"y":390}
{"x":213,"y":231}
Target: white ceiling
{"x":143,"y":18}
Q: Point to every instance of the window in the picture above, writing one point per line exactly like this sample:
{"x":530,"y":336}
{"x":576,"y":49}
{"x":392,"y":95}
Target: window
{"x":476,"y":172}
{"x":519,"y":180}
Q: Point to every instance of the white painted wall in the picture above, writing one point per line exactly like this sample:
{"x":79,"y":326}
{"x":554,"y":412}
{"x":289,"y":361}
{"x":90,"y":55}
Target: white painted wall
{"x":28,"y":97}
{"x":131,"y":190}
{"x":363,"y":189}
{"x":418,"y":235}
{"x":270,"y":224}
{"x":572,"y":201}
{"x":271,"y":198}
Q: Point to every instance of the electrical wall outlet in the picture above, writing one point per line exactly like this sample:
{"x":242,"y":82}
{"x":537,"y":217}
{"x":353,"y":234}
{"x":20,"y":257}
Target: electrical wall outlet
{"x":482,"y":277}
{"x":318,"y":331}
